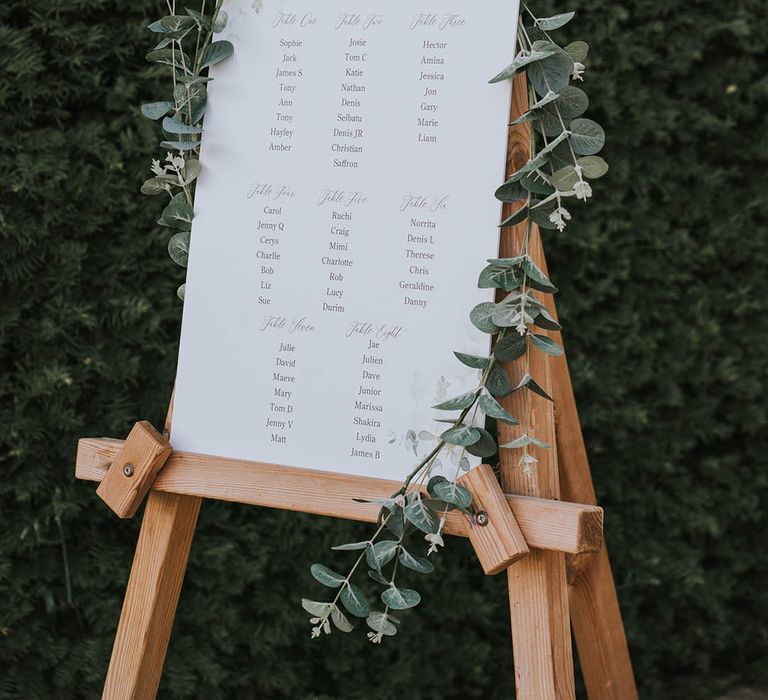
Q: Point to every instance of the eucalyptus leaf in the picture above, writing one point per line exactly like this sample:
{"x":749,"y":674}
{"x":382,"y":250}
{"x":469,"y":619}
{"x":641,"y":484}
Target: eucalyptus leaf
{"x":400,"y":598}
{"x":592,"y":167}
{"x":498,"y":277}
{"x":169,"y":57}
{"x":551,"y":74}
{"x":351,"y":546}
{"x":555,"y":21}
{"x":420,"y":564}
{"x":328,"y":577}
{"x":493,"y":409}
{"x":376,"y":576}
{"x":155,"y":110}
{"x":531,"y":166}
{"x":537,"y":278}
{"x":528,"y":382}
{"x":457,"y":403}
{"x":511,"y":192}
{"x":178,"y":248}
{"x":573,"y":102}
{"x":474,"y":361}
{"x":340,"y":620}
{"x":548,"y":122}
{"x":516,"y":217}
{"x":537,"y":183}
{"x":510,"y":347}
{"x":396,"y":522}
{"x":314,"y":607}
{"x":546,"y":344}
{"x":155,"y":186}
{"x":498,"y":382}
{"x":180,"y":145}
{"x":381,"y":553}
{"x":178,"y":213}
{"x":544,"y":320}
{"x":175,"y":126}
{"x":578,"y":50}
{"x":379,"y":622}
{"x":181,"y":291}
{"x":220,"y":22}
{"x":461,"y":435}
{"x":354,"y":600}
{"x":191,"y":170}
{"x":216,"y":52}
{"x":587,"y":137}
{"x":485,"y":446}
{"x":540,"y":214}
{"x":177,"y":23}
{"x":481,"y":317}
{"x":522,"y":60}
{"x":453,"y":493}
{"x":422,"y":516}
{"x":564,"y":178}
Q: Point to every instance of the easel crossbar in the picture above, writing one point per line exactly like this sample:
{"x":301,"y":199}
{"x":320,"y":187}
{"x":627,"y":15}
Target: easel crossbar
{"x":546,"y":524}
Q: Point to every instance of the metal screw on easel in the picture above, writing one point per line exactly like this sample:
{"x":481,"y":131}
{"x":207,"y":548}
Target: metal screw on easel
{"x":481,"y":518}
{"x":128,"y":470}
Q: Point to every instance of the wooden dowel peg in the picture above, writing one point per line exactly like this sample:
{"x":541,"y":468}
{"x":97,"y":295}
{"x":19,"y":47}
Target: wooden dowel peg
{"x":133,"y":472}
{"x":492,"y":528}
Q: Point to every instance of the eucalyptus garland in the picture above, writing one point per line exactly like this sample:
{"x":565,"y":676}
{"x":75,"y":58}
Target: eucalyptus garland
{"x":187,"y":48}
{"x":563,"y":160}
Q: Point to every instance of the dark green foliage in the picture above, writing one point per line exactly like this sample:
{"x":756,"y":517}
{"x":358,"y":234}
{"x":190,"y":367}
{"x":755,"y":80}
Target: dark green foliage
{"x":664,"y":299}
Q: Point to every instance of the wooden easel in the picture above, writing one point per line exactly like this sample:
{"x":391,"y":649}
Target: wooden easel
{"x":565,"y":578}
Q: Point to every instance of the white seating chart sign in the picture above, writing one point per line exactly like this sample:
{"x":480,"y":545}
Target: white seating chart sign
{"x":345,"y":209}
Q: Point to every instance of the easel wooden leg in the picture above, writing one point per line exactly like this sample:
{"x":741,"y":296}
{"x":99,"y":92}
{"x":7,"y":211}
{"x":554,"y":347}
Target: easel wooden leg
{"x":541,"y":634}
{"x":595,"y":613}
{"x":151,"y":597}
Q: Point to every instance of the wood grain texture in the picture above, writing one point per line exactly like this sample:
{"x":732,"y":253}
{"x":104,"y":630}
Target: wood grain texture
{"x":151,"y":597}
{"x":595,"y":613}
{"x":538,"y":590}
{"x":545,"y":524}
{"x":144,"y":453}
{"x":499,"y":542}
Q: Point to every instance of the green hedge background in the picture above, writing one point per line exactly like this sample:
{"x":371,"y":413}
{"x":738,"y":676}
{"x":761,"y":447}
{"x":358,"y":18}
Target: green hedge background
{"x":664,"y":297}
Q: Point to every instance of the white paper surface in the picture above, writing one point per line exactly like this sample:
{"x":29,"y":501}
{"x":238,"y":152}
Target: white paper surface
{"x":350,"y":155}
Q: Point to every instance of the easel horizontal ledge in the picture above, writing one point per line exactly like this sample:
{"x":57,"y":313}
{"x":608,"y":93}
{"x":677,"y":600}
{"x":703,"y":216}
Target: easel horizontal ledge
{"x":545,"y":524}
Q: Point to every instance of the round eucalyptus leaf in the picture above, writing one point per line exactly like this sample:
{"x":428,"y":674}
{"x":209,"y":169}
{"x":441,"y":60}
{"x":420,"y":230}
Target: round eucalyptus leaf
{"x":493,"y":409}
{"x":400,"y":598}
{"x":509,"y":348}
{"x":551,"y":74}
{"x":587,"y":137}
{"x":419,"y":564}
{"x":498,"y":382}
{"x":181,"y":291}
{"x":592,"y":166}
{"x":572,"y":103}
{"x":155,"y":110}
{"x":461,"y":435}
{"x":381,"y":553}
{"x":481,"y":317}
{"x":314,"y":607}
{"x":340,"y":620}
{"x":485,"y":446}
{"x":564,"y":178}
{"x":453,"y":493}
{"x":546,"y":344}
{"x":328,"y":577}
{"x":511,"y":192}
{"x":578,"y":50}
{"x":354,"y":600}
{"x":217,"y":52}
{"x":379,"y":622}
{"x":178,"y":248}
